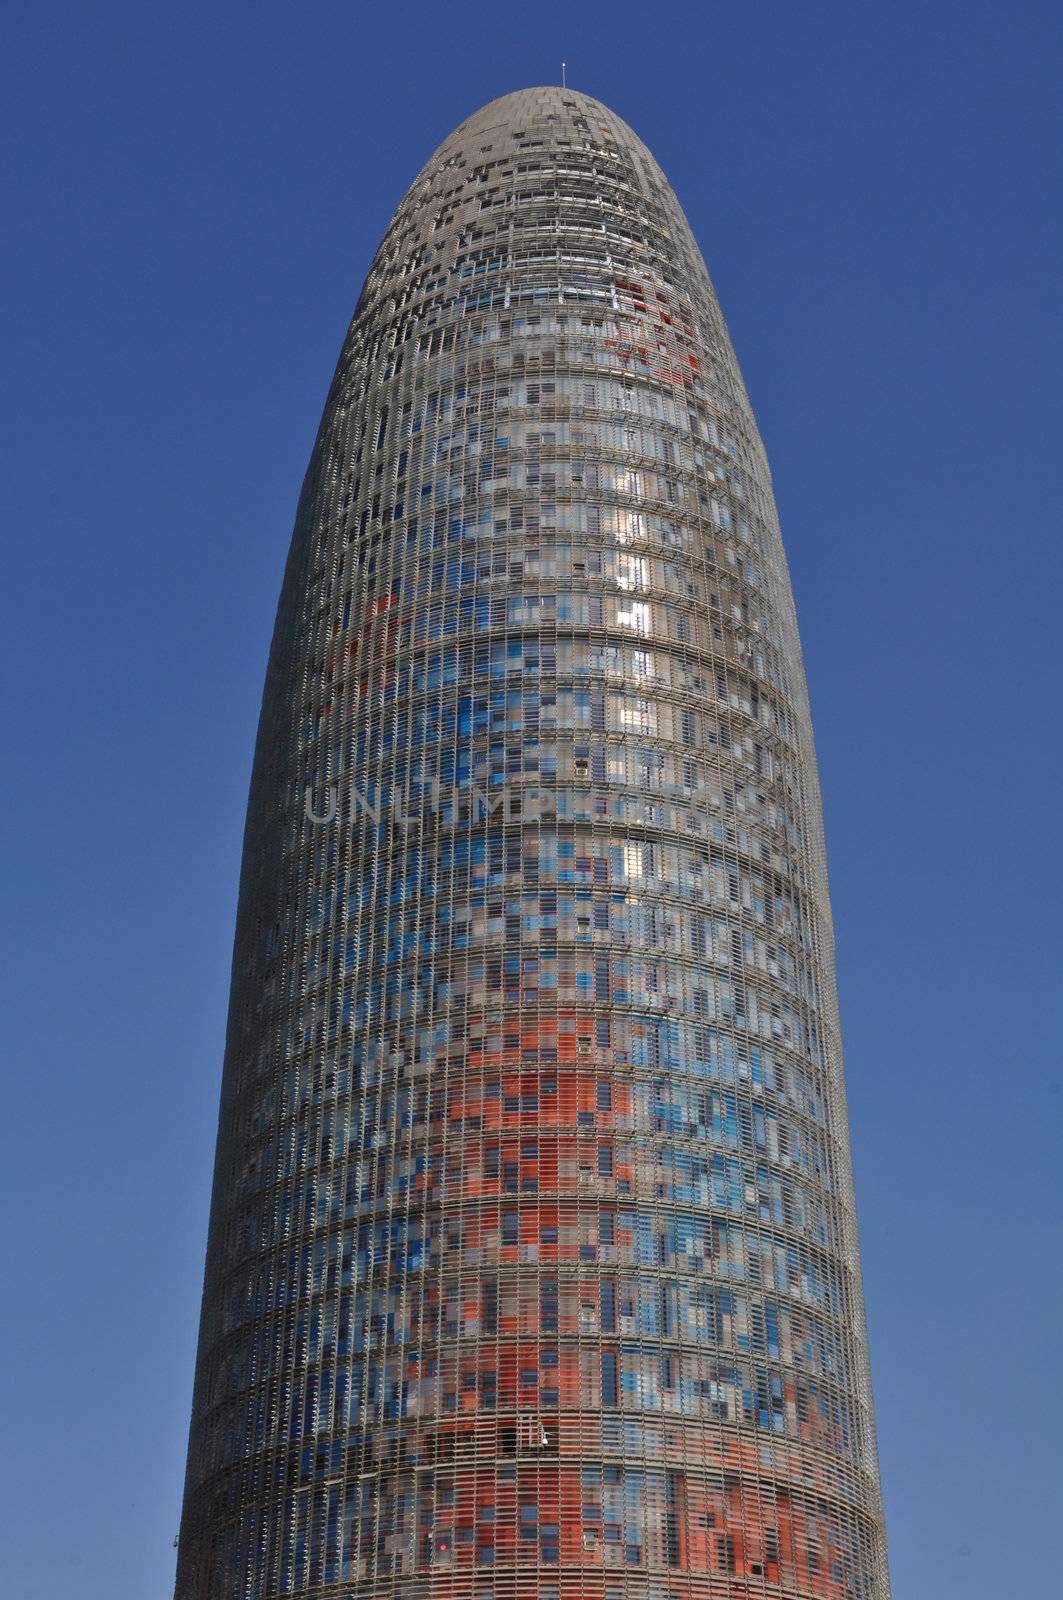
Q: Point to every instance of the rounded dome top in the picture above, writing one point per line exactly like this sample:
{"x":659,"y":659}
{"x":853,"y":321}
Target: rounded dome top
{"x":547,"y":114}
{"x":540,"y":100}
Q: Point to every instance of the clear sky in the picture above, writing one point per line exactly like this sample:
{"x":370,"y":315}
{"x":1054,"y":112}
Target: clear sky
{"x":192,"y":193}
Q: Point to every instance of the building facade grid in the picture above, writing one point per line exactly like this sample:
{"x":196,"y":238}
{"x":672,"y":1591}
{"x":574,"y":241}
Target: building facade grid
{"x":533,"y":1267}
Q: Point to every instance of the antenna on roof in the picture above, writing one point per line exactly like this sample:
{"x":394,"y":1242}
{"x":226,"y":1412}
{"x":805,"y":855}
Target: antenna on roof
{"x":564,"y":81}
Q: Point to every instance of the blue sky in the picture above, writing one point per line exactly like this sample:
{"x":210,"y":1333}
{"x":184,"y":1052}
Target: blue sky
{"x":191,"y":196}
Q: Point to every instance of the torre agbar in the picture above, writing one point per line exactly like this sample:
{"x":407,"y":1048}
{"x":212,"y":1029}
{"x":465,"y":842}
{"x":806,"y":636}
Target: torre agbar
{"x":533,"y":1268}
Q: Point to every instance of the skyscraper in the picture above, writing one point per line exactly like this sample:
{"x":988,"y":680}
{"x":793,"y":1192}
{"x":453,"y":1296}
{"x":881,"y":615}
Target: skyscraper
{"x":533,"y":1267}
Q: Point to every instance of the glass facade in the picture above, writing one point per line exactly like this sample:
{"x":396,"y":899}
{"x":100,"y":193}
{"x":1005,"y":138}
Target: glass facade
{"x":533,"y":1266}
